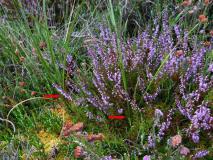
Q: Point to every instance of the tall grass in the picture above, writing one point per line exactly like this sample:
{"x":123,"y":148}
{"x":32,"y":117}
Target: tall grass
{"x":34,"y":47}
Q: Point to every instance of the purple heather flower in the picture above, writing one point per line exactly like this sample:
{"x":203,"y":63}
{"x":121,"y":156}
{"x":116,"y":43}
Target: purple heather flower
{"x":195,"y":137}
{"x":137,"y":64}
{"x":202,"y":31}
{"x":202,"y":118}
{"x":147,"y":157}
{"x":107,"y":158}
{"x":184,"y":151}
{"x":185,"y":41}
{"x":70,"y":65}
{"x":201,"y":154}
{"x":99,"y":118}
{"x":69,"y":59}
{"x":120,"y":110}
{"x":61,"y":91}
{"x":165,"y":125}
{"x":151,"y":142}
{"x":158,"y":113}
{"x":71,"y":86}
{"x":203,"y":85}
{"x":151,"y":97}
{"x":156,"y":30}
{"x":166,"y":37}
{"x":197,"y":60}
{"x":178,"y":32}
{"x":210,"y":69}
{"x":90,"y":115}
{"x":180,"y":107}
{"x":99,"y":84}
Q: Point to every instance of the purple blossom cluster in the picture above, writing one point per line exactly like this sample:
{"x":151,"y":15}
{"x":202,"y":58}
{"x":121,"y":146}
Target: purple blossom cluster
{"x":130,"y":73}
{"x":201,"y":154}
{"x":164,"y":126}
{"x":31,"y":6}
{"x":62,"y":92}
{"x":210,"y":69}
{"x":201,"y":119}
{"x":140,"y":57}
{"x":194,"y":107}
{"x":151,"y":142}
{"x":107,"y":158}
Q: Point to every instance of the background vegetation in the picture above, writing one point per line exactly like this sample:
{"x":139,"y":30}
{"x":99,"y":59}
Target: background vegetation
{"x":46,"y":42}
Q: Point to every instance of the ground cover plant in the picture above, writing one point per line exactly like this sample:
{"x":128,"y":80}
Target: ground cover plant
{"x":150,"y":61}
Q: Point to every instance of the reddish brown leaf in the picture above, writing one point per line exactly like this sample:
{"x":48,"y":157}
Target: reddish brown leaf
{"x":78,"y":152}
{"x":77,"y":127}
{"x":33,"y":93}
{"x":21,"y":59}
{"x":176,"y":140}
{"x":211,"y":33}
{"x":22,"y":91}
{"x":17,"y":52}
{"x":22,"y":84}
{"x":202,"y":18}
{"x":179,"y":53}
{"x":187,"y":3}
{"x":66,"y":128}
{"x":95,"y":137}
{"x":42,"y":45}
{"x":69,"y":128}
{"x":206,"y":2}
{"x":207,"y":43}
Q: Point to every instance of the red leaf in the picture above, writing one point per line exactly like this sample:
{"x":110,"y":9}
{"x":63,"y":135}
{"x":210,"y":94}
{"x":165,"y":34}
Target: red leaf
{"x":47,"y":96}
{"x":116,"y":117}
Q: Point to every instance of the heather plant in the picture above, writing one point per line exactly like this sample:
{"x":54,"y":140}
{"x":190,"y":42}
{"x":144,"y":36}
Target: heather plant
{"x":31,"y":9}
{"x":160,"y":79}
{"x":128,"y":77}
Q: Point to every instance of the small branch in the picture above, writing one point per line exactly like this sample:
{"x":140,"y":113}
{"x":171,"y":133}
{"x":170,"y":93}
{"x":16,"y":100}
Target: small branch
{"x":6,"y":120}
{"x":21,"y":103}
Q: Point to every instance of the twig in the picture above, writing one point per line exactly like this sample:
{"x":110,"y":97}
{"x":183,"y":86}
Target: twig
{"x":21,"y":103}
{"x":14,"y":128}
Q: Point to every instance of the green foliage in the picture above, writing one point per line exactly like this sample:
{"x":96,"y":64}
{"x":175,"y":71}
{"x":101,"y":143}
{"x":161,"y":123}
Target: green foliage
{"x":21,"y":35}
